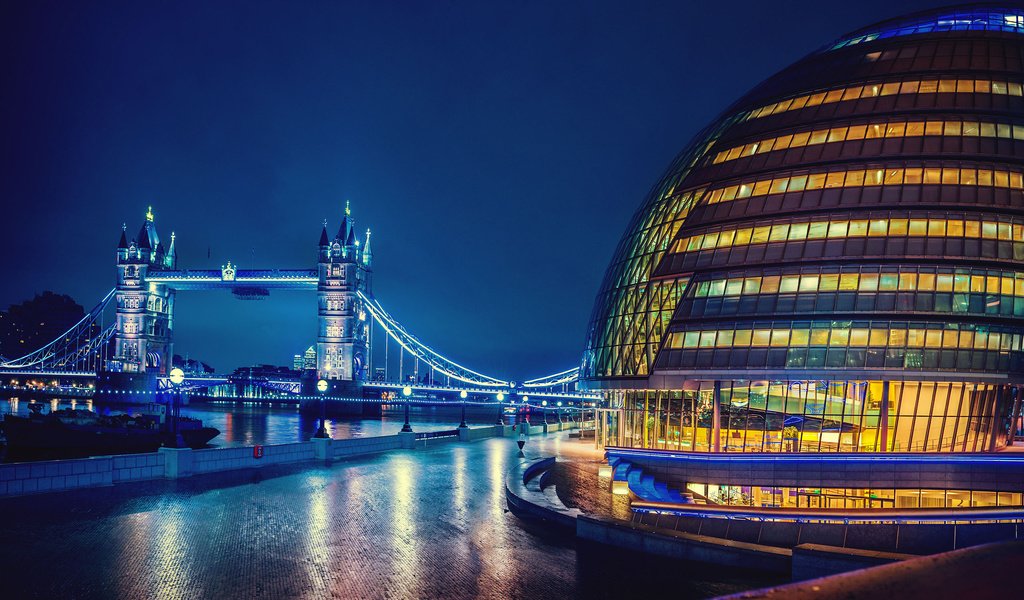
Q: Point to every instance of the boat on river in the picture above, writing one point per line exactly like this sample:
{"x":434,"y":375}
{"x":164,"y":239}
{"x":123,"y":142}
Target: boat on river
{"x":69,"y":433}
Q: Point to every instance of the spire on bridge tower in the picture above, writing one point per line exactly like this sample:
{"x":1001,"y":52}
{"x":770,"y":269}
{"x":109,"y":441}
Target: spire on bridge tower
{"x":323,"y":236}
{"x":123,"y":244}
{"x":143,"y":238}
{"x":367,"y":254}
{"x":345,"y":228}
{"x":171,"y":258}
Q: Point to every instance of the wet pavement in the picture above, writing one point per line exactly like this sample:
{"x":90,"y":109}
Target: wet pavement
{"x":406,"y":524}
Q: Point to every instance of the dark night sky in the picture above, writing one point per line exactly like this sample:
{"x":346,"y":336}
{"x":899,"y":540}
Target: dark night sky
{"x":497,"y":150}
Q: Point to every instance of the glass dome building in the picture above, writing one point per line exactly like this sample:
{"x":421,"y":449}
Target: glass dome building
{"x":835,"y":264}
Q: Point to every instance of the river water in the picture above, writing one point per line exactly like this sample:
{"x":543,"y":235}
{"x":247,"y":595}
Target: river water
{"x":248,"y":424}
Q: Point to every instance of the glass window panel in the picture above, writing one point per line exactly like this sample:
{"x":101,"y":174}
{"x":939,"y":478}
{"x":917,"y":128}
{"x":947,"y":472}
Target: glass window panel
{"x":848,"y":281}
{"x":790,"y":283}
{"x":817,"y":230}
{"x":858,"y":228}
{"x":762,"y":337}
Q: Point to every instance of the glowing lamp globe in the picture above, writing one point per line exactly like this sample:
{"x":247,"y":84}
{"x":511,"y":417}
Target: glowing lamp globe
{"x":463,"y":394}
{"x":407,"y":391}
{"x":321,"y":386}
{"x":176,"y":376}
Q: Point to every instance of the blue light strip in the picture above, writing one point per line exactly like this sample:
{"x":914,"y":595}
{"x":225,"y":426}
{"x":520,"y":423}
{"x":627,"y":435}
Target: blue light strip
{"x":844,"y":457}
{"x":567,"y":376}
{"x":917,"y":515}
{"x":421,"y":350}
{"x":957,"y":20}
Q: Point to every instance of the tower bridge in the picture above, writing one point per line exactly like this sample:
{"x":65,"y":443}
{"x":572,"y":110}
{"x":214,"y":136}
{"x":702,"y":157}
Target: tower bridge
{"x":125,"y":343}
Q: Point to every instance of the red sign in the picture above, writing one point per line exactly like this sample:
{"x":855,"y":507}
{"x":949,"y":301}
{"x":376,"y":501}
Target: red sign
{"x":257,"y":451}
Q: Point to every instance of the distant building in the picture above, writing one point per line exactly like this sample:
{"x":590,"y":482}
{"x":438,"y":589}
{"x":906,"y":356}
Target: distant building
{"x":305,"y":361}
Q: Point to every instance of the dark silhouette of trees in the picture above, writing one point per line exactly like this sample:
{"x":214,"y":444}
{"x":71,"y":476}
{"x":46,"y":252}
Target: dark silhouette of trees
{"x":34,"y":323}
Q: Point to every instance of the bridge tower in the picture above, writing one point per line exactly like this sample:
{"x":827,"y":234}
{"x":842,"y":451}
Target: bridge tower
{"x":344,"y":268}
{"x":144,"y":315}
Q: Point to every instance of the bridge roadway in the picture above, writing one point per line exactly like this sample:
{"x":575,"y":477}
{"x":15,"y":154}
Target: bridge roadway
{"x":406,"y":524}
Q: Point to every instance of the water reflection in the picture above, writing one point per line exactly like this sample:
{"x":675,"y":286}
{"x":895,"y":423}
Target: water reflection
{"x":249,"y":424}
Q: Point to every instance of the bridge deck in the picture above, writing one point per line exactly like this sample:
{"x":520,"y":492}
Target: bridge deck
{"x":211,"y":279}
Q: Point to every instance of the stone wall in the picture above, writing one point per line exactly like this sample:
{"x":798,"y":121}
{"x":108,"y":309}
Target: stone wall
{"x":229,"y":459}
{"x":58,"y":475}
{"x":172,"y":463}
{"x":369,"y":445}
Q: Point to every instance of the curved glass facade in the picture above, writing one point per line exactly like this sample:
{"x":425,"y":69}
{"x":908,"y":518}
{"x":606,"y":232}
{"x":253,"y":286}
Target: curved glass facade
{"x":837,"y":262}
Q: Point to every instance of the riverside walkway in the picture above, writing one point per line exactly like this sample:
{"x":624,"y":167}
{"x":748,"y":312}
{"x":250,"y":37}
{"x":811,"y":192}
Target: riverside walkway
{"x":405,"y":524}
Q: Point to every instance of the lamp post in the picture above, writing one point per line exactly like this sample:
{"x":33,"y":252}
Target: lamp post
{"x":406,"y":392}
{"x":559,"y":412}
{"x":500,"y":420}
{"x":177,"y":376}
{"x":321,"y":386}
{"x":544,"y":410}
{"x":463,"y":395}
{"x":526,"y":409}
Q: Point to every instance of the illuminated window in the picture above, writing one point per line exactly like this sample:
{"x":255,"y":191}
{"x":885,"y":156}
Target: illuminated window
{"x":870,"y":177}
{"x":893,"y":335}
{"x":927,"y":86}
{"x":890,"y":129}
{"x":838,"y":229}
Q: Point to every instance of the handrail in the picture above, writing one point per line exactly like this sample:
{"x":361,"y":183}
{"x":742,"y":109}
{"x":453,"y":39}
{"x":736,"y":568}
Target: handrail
{"x":845,"y":515}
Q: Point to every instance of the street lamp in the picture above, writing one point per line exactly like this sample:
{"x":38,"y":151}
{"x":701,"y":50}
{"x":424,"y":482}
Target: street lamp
{"x":321,"y":386}
{"x":463,"y":395}
{"x":406,"y":392}
{"x":177,"y":376}
{"x":559,"y":412}
{"x":500,"y":421}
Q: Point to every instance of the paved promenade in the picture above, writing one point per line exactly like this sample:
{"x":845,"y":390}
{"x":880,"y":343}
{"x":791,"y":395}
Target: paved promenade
{"x":406,"y":524}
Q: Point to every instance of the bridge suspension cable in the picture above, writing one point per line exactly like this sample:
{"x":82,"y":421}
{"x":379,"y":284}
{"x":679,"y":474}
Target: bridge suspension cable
{"x":79,"y":346}
{"x":562,"y":377}
{"x":421,"y":351}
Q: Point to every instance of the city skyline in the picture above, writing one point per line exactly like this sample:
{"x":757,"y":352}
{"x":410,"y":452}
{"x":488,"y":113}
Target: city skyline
{"x":244,"y":154}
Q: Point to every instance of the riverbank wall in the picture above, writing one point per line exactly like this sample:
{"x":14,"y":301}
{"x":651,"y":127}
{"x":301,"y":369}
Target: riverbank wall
{"x":17,"y":479}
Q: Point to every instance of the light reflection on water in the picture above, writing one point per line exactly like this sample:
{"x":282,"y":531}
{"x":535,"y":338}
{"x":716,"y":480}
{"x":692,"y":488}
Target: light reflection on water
{"x":249,"y":424}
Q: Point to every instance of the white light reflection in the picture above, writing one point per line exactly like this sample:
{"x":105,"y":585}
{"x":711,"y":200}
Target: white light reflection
{"x":317,"y":533}
{"x":494,"y":553}
{"x":404,"y":536}
{"x":459,"y":485}
{"x":169,"y":551}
